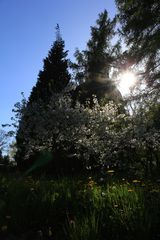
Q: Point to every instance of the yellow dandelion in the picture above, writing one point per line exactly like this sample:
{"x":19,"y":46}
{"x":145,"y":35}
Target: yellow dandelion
{"x":136,"y":181}
{"x":130,"y":190}
{"x":110,"y":171}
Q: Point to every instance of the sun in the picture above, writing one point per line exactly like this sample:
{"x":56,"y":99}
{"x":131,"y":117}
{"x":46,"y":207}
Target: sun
{"x":127,"y":80}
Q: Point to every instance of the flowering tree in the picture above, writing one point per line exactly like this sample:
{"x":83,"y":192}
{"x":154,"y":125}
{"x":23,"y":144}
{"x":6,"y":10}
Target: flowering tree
{"x":94,"y":137}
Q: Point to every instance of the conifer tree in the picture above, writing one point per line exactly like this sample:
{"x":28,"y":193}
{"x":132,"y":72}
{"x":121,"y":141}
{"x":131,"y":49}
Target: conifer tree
{"x":100,"y":55}
{"x":99,"y":50}
{"x":95,"y":63}
{"x":55,"y":75}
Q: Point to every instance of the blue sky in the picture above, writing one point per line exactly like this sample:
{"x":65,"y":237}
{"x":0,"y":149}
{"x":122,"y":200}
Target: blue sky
{"x":27,"y":31}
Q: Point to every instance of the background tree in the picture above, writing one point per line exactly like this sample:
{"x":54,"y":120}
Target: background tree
{"x":140,"y":26}
{"x":95,"y":64}
{"x":100,"y":55}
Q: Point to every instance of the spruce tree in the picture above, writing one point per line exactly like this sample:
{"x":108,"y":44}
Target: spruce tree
{"x":100,"y":54}
{"x":99,"y":50}
{"x":55,"y":75}
{"x":95,"y":63}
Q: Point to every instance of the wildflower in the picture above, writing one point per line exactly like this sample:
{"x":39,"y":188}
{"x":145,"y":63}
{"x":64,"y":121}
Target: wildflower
{"x":136,"y":181}
{"x":123,"y":179}
{"x":130,"y":190}
{"x":116,"y":206}
{"x":110,"y":171}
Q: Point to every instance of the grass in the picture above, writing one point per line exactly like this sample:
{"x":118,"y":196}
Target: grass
{"x":79,"y":208}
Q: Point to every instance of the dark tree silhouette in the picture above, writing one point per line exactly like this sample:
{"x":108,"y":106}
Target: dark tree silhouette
{"x":94,"y":64}
{"x":55,"y":75}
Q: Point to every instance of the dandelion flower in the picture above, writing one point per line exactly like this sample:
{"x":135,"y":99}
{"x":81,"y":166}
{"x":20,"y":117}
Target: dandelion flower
{"x":110,"y":171}
{"x":130,"y":190}
{"x":136,"y":181}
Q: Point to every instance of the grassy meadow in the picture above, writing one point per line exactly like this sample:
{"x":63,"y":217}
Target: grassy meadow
{"x":79,"y":208}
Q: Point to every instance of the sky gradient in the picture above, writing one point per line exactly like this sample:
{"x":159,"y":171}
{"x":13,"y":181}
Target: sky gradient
{"x":27,"y":33}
